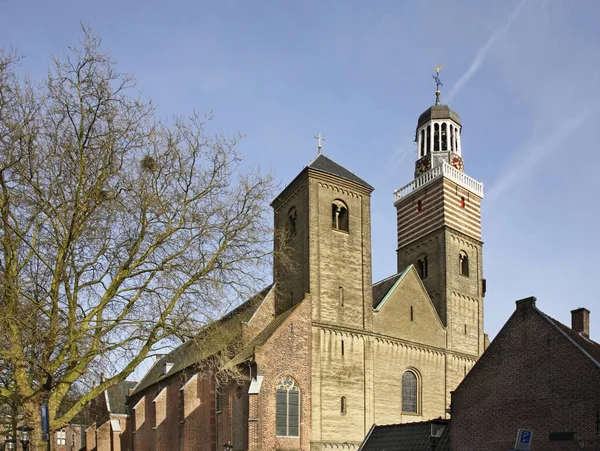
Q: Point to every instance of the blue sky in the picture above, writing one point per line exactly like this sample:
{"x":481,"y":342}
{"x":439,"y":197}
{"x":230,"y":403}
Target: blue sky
{"x":523,"y":75}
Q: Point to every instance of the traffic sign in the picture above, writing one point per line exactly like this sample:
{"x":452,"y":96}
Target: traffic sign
{"x":524,"y":440}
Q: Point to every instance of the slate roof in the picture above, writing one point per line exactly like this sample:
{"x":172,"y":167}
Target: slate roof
{"x":117,"y":395}
{"x":586,"y":345}
{"x":381,"y":288}
{"x":322,"y":163}
{"x":212,"y":340}
{"x":405,"y":437}
{"x":438,"y":112}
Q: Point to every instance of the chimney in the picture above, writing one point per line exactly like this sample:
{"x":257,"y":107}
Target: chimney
{"x":580,"y":321}
{"x":525,"y":304}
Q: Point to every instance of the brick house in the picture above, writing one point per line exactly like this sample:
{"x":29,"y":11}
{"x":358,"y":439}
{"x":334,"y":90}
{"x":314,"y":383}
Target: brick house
{"x":537,"y":374}
{"x":324,"y":353}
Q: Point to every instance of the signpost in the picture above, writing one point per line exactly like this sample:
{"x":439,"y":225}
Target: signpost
{"x":45,"y":425}
{"x":524,"y":440}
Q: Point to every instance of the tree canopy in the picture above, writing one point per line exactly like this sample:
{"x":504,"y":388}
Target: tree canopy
{"x":118,"y":229}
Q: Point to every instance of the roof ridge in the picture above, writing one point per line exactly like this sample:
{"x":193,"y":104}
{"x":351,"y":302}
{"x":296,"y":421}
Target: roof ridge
{"x":386,"y":279}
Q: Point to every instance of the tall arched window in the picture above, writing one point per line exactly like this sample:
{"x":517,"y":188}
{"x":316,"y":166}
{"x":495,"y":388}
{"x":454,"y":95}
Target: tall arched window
{"x":463,"y":261}
{"x":409,"y":392}
{"x":292,"y":217}
{"x":422,"y":143}
{"x":444,"y":136}
{"x":422,"y":267}
{"x":343,"y":405}
{"x":436,"y":137}
{"x":339,"y":216}
{"x":287,"y":408}
{"x":428,"y":139}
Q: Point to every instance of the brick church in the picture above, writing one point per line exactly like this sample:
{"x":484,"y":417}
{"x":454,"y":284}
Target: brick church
{"x":325,"y":353}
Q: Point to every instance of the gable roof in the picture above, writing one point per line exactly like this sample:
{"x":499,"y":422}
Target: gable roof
{"x":584,"y":344}
{"x":383,"y":287}
{"x":324,"y":164}
{"x":405,"y":437}
{"x":210,"y":341}
{"x":117,"y":395}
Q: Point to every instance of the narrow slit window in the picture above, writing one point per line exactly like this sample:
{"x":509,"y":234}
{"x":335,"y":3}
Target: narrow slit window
{"x":464,"y":264}
{"x":292,"y":218}
{"x":341,"y":296}
{"x":412,"y":315}
{"x":422,"y":143}
{"x":428,"y":139}
{"x":422,"y":267}
{"x":462,"y":202}
{"x":343,"y":404}
{"x":419,"y":205}
{"x":342,"y":347}
{"x":465,"y":329}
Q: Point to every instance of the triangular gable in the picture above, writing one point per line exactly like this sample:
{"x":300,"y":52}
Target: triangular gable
{"x":406,"y":312}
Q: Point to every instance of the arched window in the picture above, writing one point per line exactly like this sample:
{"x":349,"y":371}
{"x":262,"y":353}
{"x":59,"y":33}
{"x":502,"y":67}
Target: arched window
{"x":463,"y":260}
{"x":444,"y":136}
{"x":452,"y":147}
{"x":462,"y":202}
{"x":287,"y":408}
{"x":343,"y":405}
{"x":422,"y":268}
{"x":419,"y":205}
{"x":436,"y":137}
{"x":339,"y":216}
{"x":428,"y":139}
{"x":409,"y":392}
{"x":422,"y":143}
{"x":292,"y":217}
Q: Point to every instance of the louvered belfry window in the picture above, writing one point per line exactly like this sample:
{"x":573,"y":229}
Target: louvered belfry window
{"x":288,"y":408}
{"x":409,"y":392}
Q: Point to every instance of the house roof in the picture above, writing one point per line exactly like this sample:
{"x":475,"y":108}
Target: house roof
{"x":405,"y":437}
{"x":584,"y":344}
{"x":117,"y":395}
{"x":324,"y":164}
{"x":210,"y":341}
{"x":381,"y":288}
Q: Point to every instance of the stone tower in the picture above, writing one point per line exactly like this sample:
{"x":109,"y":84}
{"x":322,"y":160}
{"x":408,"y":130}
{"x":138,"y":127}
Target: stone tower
{"x":439,"y":229}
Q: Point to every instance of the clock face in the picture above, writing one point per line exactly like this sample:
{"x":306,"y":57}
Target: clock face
{"x":457,"y":163}
{"x":422,"y":165}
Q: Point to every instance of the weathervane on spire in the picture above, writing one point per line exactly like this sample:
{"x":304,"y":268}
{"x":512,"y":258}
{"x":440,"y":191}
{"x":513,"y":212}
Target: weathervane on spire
{"x":319,"y":138}
{"x":438,"y":83}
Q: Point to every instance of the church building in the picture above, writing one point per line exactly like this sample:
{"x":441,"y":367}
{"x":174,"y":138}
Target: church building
{"x":324,"y":351}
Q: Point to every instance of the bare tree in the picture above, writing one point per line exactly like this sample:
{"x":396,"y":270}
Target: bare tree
{"x":116,"y":229}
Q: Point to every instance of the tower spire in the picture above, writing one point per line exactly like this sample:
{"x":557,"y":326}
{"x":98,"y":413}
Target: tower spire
{"x":438,"y":83}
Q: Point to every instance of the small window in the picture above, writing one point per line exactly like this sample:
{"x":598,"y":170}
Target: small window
{"x":419,"y":205}
{"x":342,"y":347}
{"x":341,"y":296}
{"x":462,"y":202}
{"x":412,"y":315}
{"x":343,"y":405}
{"x":339,"y":216}
{"x":422,"y":267}
{"x":61,"y":437}
{"x":465,"y":329}
{"x":409,"y":392}
{"x":287,"y":408}
{"x":464,"y":264}
{"x":292,"y":218}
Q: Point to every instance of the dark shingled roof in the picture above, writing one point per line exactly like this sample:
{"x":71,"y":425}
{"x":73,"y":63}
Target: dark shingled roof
{"x":405,"y":437}
{"x":438,"y":112}
{"x":381,"y":288}
{"x":322,"y":163}
{"x":589,"y":346}
{"x":212,"y":340}
{"x":117,"y":395}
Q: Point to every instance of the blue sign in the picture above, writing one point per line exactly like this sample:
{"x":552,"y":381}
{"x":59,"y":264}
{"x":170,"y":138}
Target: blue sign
{"x":525,"y":437}
{"x":45,"y":420}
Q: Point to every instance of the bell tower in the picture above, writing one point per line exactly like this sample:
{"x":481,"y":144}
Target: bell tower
{"x":439,"y":227}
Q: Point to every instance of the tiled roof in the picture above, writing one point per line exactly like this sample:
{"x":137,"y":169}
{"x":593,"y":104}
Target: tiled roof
{"x":405,"y":437}
{"x":586,"y":345}
{"x":117,"y":395}
{"x":381,"y":288}
{"x":215,"y":338}
{"x":322,"y":163}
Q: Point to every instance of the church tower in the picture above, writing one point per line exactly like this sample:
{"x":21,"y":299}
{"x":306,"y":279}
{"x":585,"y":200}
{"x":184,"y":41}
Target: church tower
{"x":439,"y":228}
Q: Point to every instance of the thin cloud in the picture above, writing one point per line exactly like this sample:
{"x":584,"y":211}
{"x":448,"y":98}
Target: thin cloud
{"x":483,"y":51}
{"x":531,"y":154}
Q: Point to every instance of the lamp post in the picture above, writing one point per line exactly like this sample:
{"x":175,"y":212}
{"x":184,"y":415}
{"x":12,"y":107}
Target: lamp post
{"x":24,"y":432}
{"x":10,"y":444}
{"x":437,"y":429}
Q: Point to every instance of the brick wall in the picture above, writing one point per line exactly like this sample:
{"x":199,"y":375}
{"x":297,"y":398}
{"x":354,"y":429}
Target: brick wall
{"x":532,"y":377}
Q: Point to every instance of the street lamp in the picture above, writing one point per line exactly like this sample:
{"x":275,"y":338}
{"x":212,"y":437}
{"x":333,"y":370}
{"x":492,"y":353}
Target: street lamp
{"x":437,"y":429}
{"x":10,"y":444}
{"x":24,"y":432}
{"x":227,"y":446}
